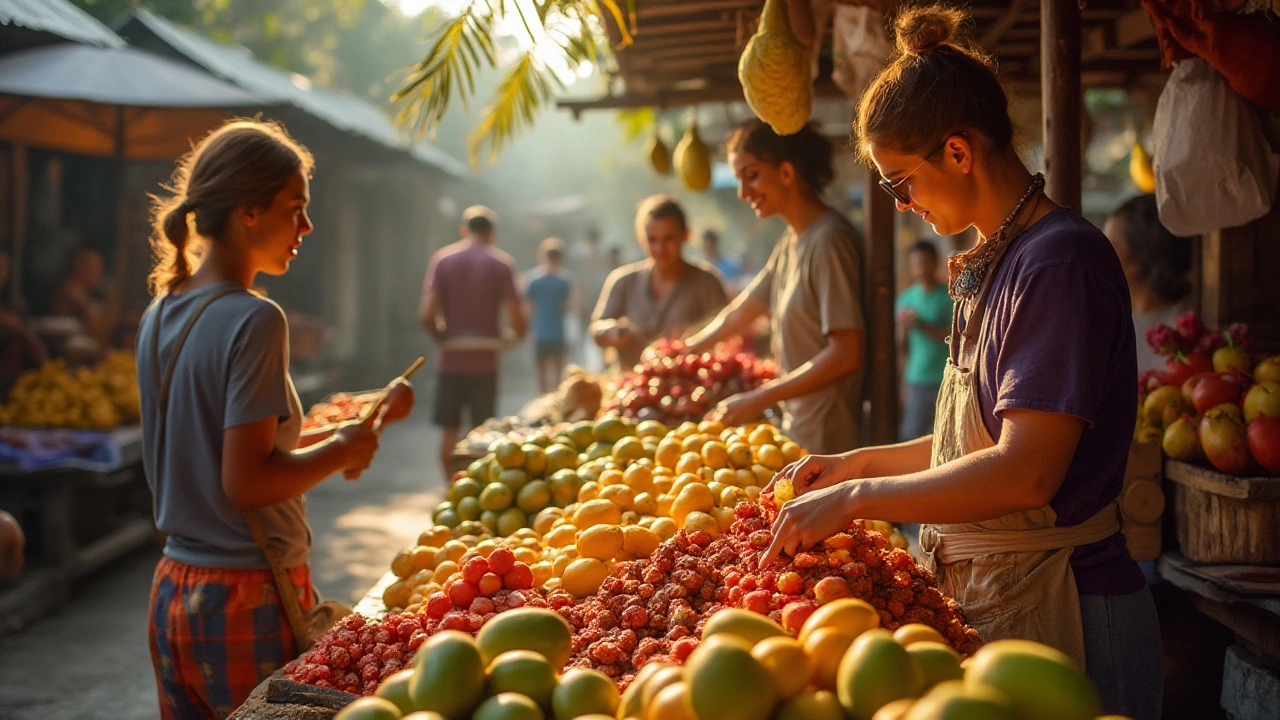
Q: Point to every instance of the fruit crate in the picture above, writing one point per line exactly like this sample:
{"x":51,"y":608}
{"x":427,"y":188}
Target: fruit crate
{"x":1223,"y":518}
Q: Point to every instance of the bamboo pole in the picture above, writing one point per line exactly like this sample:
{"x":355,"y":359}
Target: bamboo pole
{"x":1061,"y":99}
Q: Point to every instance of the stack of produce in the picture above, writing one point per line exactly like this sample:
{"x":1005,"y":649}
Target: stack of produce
{"x":1213,"y":402}
{"x":511,"y":671}
{"x":673,"y":386}
{"x":632,"y":487}
{"x":86,"y":398}
{"x":842,"y":666}
{"x":653,"y":609}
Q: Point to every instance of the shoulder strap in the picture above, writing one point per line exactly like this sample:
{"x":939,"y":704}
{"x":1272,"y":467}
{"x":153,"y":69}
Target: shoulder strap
{"x":288,"y":596}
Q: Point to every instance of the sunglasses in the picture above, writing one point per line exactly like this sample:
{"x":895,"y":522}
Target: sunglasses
{"x":892,"y":187}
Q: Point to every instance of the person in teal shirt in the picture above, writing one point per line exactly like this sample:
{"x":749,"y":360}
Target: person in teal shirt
{"x":924,"y":320}
{"x":549,"y":292}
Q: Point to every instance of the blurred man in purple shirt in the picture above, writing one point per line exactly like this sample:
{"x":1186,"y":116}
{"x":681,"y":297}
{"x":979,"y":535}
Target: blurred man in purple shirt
{"x":467,"y":286}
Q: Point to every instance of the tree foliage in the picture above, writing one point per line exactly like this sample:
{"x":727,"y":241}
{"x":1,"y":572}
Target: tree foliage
{"x":570,"y":31}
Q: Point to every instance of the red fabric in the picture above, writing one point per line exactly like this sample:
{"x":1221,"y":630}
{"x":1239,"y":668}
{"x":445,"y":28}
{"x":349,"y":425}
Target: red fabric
{"x":1244,"y":48}
{"x":216,"y":634}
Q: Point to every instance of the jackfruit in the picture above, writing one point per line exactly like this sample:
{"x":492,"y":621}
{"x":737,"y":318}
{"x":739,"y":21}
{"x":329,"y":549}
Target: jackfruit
{"x":775,"y":72}
{"x":693,"y":160}
{"x":1140,"y":168}
{"x":659,"y":155}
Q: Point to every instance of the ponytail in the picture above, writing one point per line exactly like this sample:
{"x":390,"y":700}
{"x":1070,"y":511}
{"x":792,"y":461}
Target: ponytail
{"x":245,"y":163}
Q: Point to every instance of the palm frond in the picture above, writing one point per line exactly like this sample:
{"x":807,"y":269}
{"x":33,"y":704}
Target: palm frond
{"x":524,"y":90}
{"x":450,"y":65}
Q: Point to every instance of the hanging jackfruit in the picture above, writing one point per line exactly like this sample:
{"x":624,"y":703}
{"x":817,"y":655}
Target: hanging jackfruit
{"x":1140,"y":168}
{"x":693,"y":160}
{"x":658,"y":154}
{"x":775,"y":72}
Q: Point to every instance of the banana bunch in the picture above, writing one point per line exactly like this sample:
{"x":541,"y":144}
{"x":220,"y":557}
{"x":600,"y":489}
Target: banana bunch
{"x":55,"y":396}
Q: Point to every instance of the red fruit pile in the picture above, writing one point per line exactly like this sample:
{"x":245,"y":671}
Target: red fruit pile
{"x":356,"y":655}
{"x":655,"y":608}
{"x":672,"y":385}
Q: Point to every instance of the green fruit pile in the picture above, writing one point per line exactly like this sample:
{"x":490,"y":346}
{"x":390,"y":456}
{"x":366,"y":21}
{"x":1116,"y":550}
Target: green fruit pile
{"x":510,"y":671}
{"x":513,"y":483}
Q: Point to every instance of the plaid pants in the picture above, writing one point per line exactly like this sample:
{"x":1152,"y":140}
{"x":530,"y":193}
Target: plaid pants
{"x":215,"y":634}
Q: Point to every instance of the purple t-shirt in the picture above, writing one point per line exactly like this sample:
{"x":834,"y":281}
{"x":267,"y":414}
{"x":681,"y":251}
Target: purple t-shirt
{"x":473,"y":281}
{"x":1059,"y":338}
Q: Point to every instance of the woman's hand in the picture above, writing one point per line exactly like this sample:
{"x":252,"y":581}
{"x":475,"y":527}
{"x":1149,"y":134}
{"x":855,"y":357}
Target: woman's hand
{"x":816,"y":472}
{"x":358,"y":442}
{"x":807,"y":521}
{"x":398,"y":403}
{"x":742,"y":408}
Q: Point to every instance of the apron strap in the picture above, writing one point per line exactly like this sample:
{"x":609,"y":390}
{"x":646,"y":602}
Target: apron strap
{"x":951,"y":547}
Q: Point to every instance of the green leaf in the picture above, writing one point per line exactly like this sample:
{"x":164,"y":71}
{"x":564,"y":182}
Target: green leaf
{"x":520,"y":95}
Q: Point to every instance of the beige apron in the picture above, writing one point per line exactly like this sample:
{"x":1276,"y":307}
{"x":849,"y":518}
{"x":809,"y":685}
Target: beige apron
{"x":1011,"y":575}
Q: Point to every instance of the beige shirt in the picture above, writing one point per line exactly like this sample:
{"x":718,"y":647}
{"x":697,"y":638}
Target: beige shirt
{"x":813,"y":287}
{"x":697,"y":296}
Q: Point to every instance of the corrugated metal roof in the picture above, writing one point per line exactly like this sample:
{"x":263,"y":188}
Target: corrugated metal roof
{"x":342,"y":110}
{"x":58,"y":17}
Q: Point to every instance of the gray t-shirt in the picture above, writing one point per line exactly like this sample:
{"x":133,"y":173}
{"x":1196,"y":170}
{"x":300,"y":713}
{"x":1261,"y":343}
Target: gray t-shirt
{"x":695,"y":299}
{"x":813,"y":287}
{"x":233,"y":370}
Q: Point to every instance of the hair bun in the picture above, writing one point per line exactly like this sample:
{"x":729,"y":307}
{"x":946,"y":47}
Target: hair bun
{"x":921,"y":30}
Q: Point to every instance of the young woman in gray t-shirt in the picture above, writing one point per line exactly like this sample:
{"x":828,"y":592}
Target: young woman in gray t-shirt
{"x":811,"y":288}
{"x":225,"y":438}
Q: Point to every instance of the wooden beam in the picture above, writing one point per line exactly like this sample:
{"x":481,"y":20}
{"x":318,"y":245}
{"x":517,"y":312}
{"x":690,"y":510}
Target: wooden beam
{"x":727,"y":91}
{"x":1061,"y":100}
{"x":647,"y":42}
{"x":687,"y":50}
{"x":698,"y":62}
{"x":654,"y":10}
{"x":692,"y":26}
{"x":1002,"y":25}
{"x":880,"y":355}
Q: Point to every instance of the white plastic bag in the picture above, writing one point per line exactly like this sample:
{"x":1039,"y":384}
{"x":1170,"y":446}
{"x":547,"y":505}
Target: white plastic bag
{"x":859,"y":48}
{"x":1214,"y":168}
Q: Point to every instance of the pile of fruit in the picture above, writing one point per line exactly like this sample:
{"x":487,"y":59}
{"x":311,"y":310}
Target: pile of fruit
{"x":672,"y":385}
{"x":85,"y":398}
{"x":1213,"y":402}
{"x":841,"y":666}
{"x":654,"y":609}
{"x":569,"y":514}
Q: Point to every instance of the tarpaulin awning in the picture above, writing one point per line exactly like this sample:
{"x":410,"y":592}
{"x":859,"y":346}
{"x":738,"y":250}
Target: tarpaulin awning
{"x":53,"y":97}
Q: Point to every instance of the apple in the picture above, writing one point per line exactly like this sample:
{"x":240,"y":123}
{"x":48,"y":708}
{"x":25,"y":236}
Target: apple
{"x":1267,"y":369}
{"x":1264,"y":442}
{"x":1159,"y":401}
{"x":1181,"y":441}
{"x":1216,"y":389}
{"x":1231,"y":357}
{"x":1225,"y":442}
{"x":1181,"y":367}
{"x":1189,"y":386}
{"x":1262,"y":399}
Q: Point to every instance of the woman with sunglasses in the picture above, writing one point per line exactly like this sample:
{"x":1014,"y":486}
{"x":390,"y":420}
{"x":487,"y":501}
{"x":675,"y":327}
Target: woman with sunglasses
{"x":811,"y":287}
{"x":1017,"y":486}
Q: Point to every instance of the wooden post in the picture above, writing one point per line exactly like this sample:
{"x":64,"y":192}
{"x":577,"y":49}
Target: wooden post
{"x":880,"y":381}
{"x":1061,"y":99}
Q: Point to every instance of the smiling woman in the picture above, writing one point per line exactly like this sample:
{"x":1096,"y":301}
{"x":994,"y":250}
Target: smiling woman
{"x":811,"y":288}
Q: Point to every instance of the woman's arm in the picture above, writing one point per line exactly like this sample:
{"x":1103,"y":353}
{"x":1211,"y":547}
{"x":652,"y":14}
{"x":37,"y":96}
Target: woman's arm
{"x":732,"y":322}
{"x":841,"y":356}
{"x":1022,"y":472}
{"x":256,"y":474}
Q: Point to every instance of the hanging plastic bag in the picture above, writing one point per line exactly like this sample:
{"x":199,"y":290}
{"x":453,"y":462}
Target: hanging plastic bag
{"x":1214,"y":168}
{"x":859,"y":49}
